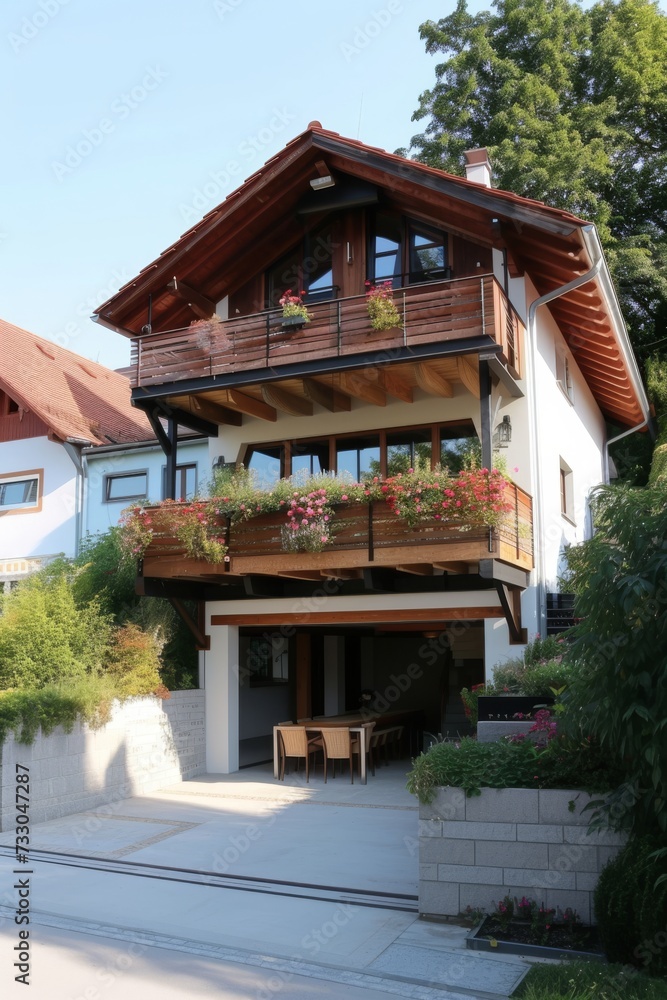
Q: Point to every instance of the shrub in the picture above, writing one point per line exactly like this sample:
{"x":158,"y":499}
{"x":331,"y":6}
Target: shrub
{"x":631,"y":906}
{"x":45,"y":637}
{"x":134,"y":662}
{"x":471,"y":765}
{"x":26,"y":712}
{"x":582,"y":980}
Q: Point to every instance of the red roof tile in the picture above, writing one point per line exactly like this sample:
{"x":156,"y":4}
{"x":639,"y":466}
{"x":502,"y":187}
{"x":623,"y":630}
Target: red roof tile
{"x":74,"y":397}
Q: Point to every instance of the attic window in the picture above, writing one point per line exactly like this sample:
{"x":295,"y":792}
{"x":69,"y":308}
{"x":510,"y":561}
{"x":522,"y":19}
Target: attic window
{"x":563,"y":376}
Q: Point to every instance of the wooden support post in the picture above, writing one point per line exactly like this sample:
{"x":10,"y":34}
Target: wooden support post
{"x":172,"y":434}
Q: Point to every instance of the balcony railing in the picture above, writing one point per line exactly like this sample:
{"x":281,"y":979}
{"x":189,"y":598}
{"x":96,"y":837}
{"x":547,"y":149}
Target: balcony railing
{"x":366,"y":535}
{"x":431,"y":313}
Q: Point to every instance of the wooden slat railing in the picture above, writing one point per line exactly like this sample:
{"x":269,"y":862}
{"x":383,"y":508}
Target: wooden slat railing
{"x":444,"y":310}
{"x":363,"y":536}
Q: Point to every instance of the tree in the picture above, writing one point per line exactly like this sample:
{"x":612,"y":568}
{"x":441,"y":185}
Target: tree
{"x":620,"y":693}
{"x":572,"y":106}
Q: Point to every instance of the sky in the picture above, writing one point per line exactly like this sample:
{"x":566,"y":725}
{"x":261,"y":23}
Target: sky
{"x":125,"y":121}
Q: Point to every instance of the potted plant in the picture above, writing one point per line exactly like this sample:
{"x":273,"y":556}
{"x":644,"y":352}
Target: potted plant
{"x":381,"y":308}
{"x":295,"y":311}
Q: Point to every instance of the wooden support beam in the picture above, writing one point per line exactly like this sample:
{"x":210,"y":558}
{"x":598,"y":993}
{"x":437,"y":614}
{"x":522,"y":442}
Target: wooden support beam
{"x":416,"y":569}
{"x":340,"y":574}
{"x":197,"y":628}
{"x":360,"y":387}
{"x":287,"y":401}
{"x":510,"y":601}
{"x":200,"y":305}
{"x":393,"y":384}
{"x":431,"y":382}
{"x":253,"y":407}
{"x":468,"y":375}
{"x":367,"y":617}
{"x":306,"y":574}
{"x":452,"y":567}
{"x":213,"y":411}
{"x":325,"y":395}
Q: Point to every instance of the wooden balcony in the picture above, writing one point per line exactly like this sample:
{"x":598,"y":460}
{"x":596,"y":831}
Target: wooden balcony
{"x":433,"y":313}
{"x":366,"y":536}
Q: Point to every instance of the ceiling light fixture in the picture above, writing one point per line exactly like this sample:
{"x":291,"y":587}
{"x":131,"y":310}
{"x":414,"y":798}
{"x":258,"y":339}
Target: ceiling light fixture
{"x":318,"y":183}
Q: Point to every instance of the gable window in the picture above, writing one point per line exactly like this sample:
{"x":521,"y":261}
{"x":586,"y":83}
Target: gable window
{"x":126,"y":486}
{"x":20,"y":491}
{"x":186,"y":481}
{"x":405,"y":252}
{"x":307,"y":268}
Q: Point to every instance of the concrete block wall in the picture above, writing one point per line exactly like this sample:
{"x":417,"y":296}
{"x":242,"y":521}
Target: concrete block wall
{"x":510,"y":841}
{"x":147,"y":744}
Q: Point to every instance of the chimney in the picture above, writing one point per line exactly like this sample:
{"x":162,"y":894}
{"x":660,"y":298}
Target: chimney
{"x":478,"y":168}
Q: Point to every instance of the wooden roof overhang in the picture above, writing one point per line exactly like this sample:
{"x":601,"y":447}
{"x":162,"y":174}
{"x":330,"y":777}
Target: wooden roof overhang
{"x":259,"y":221}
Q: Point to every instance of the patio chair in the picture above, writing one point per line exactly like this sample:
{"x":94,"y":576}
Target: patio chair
{"x":340,"y":744}
{"x":293,"y":741}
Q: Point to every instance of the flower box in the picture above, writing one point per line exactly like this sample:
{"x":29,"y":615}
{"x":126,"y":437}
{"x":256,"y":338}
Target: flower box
{"x":505,"y":708}
{"x":479,"y":939}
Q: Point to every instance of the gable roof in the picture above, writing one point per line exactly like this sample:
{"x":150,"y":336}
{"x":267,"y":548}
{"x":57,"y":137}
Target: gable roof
{"x":76,"y":398}
{"x":260,"y":217}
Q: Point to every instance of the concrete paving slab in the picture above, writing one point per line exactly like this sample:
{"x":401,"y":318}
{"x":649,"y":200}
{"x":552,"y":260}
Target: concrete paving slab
{"x":450,"y":969}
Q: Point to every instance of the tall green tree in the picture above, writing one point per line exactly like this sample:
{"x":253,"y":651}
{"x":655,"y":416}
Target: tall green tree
{"x":571,"y":104}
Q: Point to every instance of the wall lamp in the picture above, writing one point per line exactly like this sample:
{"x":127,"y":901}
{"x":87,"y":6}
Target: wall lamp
{"x":503,"y":433}
{"x":318,"y":183}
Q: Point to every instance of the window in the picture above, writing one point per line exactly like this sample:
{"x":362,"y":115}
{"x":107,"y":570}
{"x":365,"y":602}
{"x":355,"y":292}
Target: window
{"x":266,"y":660}
{"x":566,"y":491}
{"x":403,"y":250}
{"x":267,"y":462}
{"x":310,"y":458}
{"x":126,"y":486}
{"x":186,"y":481}
{"x":459,"y":445}
{"x":428,"y":257}
{"x":563,"y":376}
{"x":408,"y":450}
{"x":307,"y":268}
{"x":21,"y":491}
{"x":358,"y":456}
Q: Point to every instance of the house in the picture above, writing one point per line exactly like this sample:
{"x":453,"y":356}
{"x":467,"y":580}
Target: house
{"x":510,"y":335}
{"x":73,"y":452}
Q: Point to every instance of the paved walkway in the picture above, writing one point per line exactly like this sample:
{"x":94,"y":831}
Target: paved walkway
{"x":222,"y":869}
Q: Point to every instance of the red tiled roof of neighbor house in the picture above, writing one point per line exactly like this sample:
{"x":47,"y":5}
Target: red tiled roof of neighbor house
{"x":77,"y":399}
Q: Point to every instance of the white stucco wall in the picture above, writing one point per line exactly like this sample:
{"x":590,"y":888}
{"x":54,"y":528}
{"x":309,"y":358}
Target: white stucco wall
{"x":44,"y":533}
{"x":100,"y":514}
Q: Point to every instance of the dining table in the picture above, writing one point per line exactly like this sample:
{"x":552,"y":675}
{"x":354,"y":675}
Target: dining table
{"x":353,"y":723}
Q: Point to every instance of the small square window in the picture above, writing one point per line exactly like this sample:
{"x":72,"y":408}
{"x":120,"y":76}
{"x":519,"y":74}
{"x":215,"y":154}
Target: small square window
{"x":566,"y":492}
{"x":563,"y":375}
{"x":21,"y":491}
{"x":126,"y":486}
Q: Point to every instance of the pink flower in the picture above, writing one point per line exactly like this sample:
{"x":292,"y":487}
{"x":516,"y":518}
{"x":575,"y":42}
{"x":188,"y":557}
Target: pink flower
{"x":344,"y":496}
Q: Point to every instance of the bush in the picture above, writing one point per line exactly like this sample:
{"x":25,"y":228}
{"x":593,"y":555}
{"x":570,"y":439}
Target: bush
{"x":134,"y":662}
{"x":45,"y":637}
{"x":471,"y":765}
{"x":631,"y":906}
{"x":26,"y":712}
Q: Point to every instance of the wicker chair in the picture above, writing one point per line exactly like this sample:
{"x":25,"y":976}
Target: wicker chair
{"x":339,"y":744}
{"x":293,"y":741}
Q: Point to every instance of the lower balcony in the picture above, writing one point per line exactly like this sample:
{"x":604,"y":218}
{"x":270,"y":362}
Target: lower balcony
{"x":365,"y":537}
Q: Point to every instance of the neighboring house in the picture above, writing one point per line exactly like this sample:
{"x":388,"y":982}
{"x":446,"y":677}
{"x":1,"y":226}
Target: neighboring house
{"x":73,"y":452}
{"x":510,"y":330}
{"x":53,"y":405}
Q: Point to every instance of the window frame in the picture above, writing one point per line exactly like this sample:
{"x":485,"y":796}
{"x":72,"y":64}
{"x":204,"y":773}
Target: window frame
{"x":409,"y":228}
{"x":110,"y":477}
{"x":566,"y":485}
{"x":18,"y":477}
{"x":180,"y":469}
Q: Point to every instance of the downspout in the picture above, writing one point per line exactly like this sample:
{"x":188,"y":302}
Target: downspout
{"x":593,"y":246}
{"x":71,"y":446}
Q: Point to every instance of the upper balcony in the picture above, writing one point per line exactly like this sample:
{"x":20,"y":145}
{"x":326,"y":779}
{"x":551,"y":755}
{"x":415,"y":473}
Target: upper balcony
{"x":455,"y":314}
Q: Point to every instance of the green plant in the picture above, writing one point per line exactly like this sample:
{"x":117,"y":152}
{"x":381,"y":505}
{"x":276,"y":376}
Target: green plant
{"x":470,"y":699}
{"x":619,"y":695}
{"x":631,"y":906}
{"x":293,"y":305}
{"x":381,"y":307}
{"x":588,"y":980}
{"x":133,"y":662}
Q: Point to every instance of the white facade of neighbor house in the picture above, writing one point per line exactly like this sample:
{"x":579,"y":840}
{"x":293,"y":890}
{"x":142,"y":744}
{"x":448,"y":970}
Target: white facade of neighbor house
{"x":34,"y":532}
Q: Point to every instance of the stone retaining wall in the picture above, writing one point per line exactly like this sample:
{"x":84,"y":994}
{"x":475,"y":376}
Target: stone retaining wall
{"x":147,"y":744}
{"x":509,"y":841}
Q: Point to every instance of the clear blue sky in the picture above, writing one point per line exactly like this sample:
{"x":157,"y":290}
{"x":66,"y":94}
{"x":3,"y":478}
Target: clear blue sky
{"x":160,"y":95}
